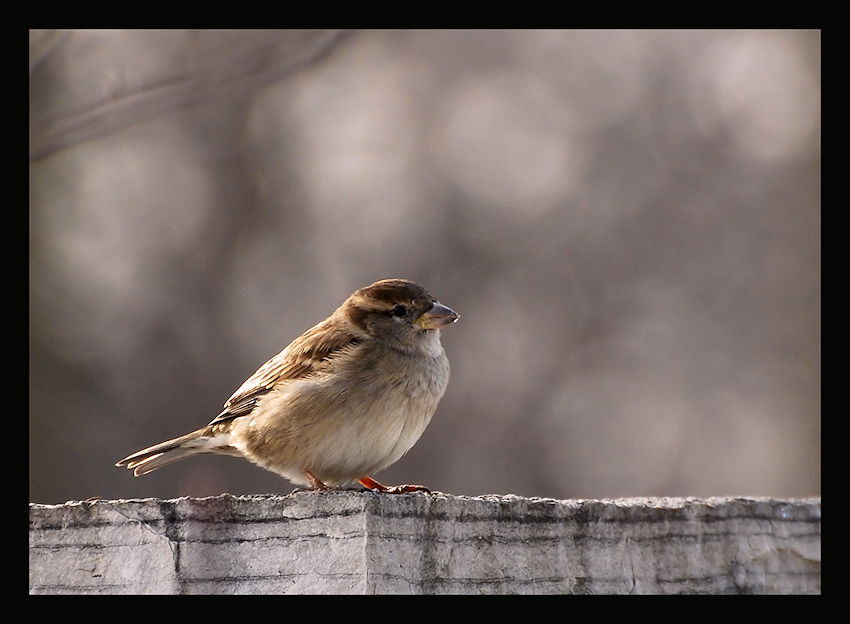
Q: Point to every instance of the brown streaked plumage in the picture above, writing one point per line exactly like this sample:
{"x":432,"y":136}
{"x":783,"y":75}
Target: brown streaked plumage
{"x":345,"y":399}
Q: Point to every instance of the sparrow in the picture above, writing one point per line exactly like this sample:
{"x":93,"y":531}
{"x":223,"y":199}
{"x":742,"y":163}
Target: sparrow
{"x":344,"y":400}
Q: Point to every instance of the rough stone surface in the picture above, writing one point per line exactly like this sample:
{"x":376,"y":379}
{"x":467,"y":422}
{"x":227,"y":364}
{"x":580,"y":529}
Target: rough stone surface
{"x":365,"y":543}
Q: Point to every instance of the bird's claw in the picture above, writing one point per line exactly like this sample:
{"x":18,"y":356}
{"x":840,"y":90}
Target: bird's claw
{"x":373,"y":485}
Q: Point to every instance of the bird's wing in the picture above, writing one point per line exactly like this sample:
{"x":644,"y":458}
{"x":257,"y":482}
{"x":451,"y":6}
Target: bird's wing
{"x":305,"y":356}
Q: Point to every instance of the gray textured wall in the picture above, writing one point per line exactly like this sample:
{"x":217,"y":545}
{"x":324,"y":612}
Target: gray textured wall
{"x":363,"y":543}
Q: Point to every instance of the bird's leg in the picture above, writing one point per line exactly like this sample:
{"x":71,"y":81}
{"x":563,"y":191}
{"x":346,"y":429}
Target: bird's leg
{"x":373,"y":485}
{"x":314,"y":482}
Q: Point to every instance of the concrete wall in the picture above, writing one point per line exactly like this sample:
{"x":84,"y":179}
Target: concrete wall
{"x":364,"y":543}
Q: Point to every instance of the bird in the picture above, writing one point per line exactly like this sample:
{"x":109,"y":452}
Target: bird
{"x":344,"y":400}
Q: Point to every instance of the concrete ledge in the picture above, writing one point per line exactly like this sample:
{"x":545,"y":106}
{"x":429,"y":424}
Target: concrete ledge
{"x":364,"y":543}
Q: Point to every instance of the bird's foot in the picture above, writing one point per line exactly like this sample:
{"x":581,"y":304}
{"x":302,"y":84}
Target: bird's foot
{"x":373,"y":485}
{"x":316,"y":484}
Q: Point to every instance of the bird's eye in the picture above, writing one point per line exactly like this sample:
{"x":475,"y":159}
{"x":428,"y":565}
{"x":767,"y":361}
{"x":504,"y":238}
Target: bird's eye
{"x":399,"y":311}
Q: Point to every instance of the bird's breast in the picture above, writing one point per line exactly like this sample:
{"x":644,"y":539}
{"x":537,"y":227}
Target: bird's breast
{"x":348,"y":423}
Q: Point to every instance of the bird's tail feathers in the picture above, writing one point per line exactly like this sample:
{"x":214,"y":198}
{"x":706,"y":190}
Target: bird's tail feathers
{"x":164,"y":453}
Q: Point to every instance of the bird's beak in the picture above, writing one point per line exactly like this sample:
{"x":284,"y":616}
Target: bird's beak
{"x":438,"y":316}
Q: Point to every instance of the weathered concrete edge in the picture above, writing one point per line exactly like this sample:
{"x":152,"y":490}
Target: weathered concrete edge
{"x":619,"y":509}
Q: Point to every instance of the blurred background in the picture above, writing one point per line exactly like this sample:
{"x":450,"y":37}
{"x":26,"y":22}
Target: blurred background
{"x":627,"y":222}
